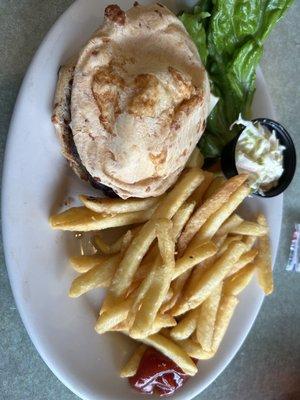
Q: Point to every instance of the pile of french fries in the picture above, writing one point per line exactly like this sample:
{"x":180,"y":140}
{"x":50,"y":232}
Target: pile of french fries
{"x":173,"y":278}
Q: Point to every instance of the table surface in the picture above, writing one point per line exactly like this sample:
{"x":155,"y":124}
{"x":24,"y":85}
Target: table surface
{"x":267,"y":367}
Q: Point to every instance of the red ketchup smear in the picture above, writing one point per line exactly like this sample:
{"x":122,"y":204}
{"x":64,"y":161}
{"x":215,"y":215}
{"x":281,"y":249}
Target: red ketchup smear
{"x":157,"y":374}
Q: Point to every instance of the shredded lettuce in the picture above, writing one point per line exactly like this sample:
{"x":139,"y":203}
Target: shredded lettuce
{"x":229,"y":35}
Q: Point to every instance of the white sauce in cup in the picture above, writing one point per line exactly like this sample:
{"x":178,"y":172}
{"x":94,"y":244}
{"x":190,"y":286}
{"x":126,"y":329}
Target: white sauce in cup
{"x":259,"y":153}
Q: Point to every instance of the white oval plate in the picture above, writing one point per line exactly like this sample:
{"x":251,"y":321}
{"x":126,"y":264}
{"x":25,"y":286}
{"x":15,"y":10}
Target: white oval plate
{"x":36,"y":180}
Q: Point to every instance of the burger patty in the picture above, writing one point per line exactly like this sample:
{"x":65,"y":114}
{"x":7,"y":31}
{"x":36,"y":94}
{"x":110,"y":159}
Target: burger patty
{"x":61,"y":119}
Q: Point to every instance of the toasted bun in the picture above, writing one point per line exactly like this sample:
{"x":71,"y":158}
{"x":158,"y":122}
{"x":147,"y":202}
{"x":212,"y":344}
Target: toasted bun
{"x":139,"y":102}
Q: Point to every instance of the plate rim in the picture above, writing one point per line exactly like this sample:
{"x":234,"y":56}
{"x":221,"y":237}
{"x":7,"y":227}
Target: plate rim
{"x":17,"y":298}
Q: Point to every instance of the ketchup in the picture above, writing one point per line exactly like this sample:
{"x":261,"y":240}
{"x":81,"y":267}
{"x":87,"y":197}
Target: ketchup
{"x":157,"y":374}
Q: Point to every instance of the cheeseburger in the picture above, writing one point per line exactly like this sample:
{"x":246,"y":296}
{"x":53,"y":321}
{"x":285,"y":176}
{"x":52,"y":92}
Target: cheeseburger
{"x":130,"y":109}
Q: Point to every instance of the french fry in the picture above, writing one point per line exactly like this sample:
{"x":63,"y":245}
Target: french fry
{"x":198,"y":291}
{"x":123,"y":326}
{"x":108,"y":319}
{"x":132,"y":365}
{"x":199,"y":193}
{"x":179,"y":194}
{"x":245,"y":259}
{"x":114,"y":248}
{"x":236,"y":283}
{"x":162,"y":321}
{"x":213,"y":223}
{"x":186,"y":326}
{"x":173,"y":351}
{"x":101,"y":245}
{"x":231,"y":222}
{"x":117,"y":206}
{"x":132,"y":258}
{"x":224,"y":314}
{"x":214,"y":211}
{"x":105,"y":306}
{"x":207,"y":319}
{"x":189,"y":277}
{"x":215,"y":185}
{"x":193,"y":257}
{"x":124,"y":241}
{"x":195,"y":350}
{"x":142,"y":273}
{"x":143,"y":289}
{"x":143,"y":240}
{"x":249,"y":241}
{"x":250,"y":228}
{"x":83,"y":220}
{"x":181,"y":217}
{"x":99,"y":276}
{"x":227,"y":241}
{"x":177,"y":287}
{"x":85,"y":263}
{"x":160,"y":284}
{"x":219,"y":241}
{"x":196,"y":159}
{"x":169,"y":295}
{"x":264,"y":260}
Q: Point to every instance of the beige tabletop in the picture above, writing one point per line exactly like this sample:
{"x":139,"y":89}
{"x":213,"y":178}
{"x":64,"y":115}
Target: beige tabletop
{"x":267,"y":367}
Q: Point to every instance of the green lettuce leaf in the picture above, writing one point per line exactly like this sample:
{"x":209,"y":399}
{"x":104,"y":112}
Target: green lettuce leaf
{"x":193,"y":24}
{"x":229,"y":35}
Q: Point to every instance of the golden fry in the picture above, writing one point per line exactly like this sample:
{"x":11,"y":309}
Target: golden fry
{"x":196,"y":159}
{"x":193,"y":257}
{"x":85,"y":263}
{"x":227,"y":241}
{"x":231,"y":222}
{"x":99,"y":276}
{"x":186,"y":325}
{"x":179,"y":194}
{"x":132,"y":258}
{"x":101,"y":245}
{"x":224,"y":314}
{"x":143,"y":289}
{"x":264,"y":260}
{"x":177,"y":287}
{"x":249,"y":241}
{"x":195,"y":350}
{"x":117,"y":206}
{"x":198,"y":290}
{"x":132,"y":365}
{"x":199,"y":193}
{"x":173,"y":351}
{"x":181,"y":217}
{"x":213,"y":223}
{"x":245,"y":259}
{"x":214,"y":187}
{"x":238,"y":281}
{"x":108,"y":319}
{"x":162,"y":321}
{"x":160,"y":284}
{"x":169,"y":295}
{"x":207,"y":319}
{"x":214,"y":211}
{"x":116,"y":247}
{"x":83,"y":220}
{"x":250,"y":228}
